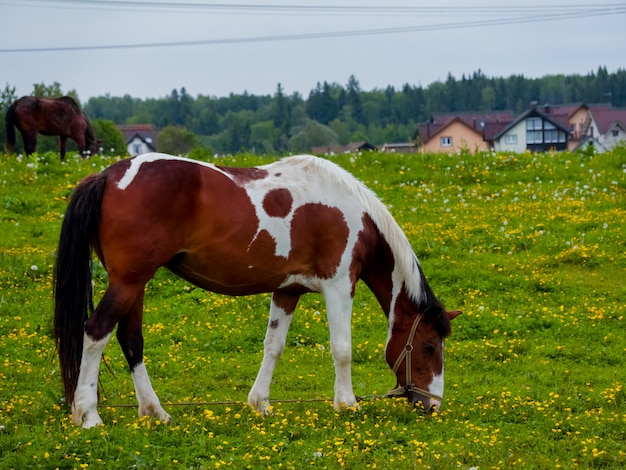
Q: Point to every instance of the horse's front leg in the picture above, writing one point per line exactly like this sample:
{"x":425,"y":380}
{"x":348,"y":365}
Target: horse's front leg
{"x":339,"y":311}
{"x":130,"y":338}
{"x":30,"y":142}
{"x":62,"y":143}
{"x":281,"y":309}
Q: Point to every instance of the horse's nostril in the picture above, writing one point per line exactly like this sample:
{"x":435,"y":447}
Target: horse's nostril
{"x":434,"y":405}
{"x":424,"y":402}
{"x":418,"y":400}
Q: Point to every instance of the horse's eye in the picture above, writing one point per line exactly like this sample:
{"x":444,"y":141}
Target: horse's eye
{"x":429,"y":348}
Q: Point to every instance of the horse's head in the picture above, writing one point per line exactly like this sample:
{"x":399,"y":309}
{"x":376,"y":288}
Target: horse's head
{"x":92,"y":144}
{"x":93,"y":147}
{"x":415,"y":353}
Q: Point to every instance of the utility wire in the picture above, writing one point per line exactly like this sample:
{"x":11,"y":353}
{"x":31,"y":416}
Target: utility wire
{"x":310,"y":8}
{"x":612,"y":10}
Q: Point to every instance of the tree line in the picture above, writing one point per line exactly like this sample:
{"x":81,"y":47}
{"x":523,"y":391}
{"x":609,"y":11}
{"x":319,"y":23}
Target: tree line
{"x":332,"y":113}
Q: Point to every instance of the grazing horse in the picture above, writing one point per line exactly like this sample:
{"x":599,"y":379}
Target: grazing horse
{"x":301,"y":224}
{"x":50,"y":116}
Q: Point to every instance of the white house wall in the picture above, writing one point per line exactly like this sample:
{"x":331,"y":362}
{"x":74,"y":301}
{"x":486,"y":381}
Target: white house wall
{"x":520,"y":146}
{"x":137,"y":144}
{"x":609,"y":140}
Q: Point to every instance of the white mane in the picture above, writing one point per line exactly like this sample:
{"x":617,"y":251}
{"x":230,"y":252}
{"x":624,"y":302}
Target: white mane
{"x":401,"y":248}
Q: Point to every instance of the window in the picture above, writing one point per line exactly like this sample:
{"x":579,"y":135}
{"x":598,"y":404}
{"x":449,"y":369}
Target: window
{"x":615,"y":133}
{"x":446,"y":141}
{"x":551,"y":136}
{"x":534,"y":132}
{"x":136,"y":149}
{"x":533,"y":124}
{"x":534,"y":137}
{"x":510,"y":139}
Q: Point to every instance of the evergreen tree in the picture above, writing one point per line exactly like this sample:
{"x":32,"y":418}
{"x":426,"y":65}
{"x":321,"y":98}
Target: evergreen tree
{"x":7,"y":98}
{"x":353,"y":99}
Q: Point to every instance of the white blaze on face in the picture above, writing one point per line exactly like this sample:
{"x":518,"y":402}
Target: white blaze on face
{"x":436,"y":386}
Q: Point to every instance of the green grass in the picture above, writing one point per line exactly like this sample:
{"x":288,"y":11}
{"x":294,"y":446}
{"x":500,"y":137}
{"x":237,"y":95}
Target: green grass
{"x":531,"y":247}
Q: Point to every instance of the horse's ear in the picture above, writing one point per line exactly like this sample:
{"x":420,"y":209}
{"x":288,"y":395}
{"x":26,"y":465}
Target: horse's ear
{"x":453,"y":314}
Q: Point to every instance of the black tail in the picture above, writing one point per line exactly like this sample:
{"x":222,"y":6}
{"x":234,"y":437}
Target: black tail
{"x":10,"y":127}
{"x":72,"y":277}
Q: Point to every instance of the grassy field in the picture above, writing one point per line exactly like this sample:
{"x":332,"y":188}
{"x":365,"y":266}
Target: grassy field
{"x":531,"y":247}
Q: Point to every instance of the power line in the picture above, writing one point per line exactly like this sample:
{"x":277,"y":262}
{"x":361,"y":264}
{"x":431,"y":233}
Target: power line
{"x":331,"y":9}
{"x":612,"y":10}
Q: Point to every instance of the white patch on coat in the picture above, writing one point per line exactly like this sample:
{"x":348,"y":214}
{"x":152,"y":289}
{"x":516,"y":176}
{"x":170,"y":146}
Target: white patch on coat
{"x":135,"y":165}
{"x":306,"y":185}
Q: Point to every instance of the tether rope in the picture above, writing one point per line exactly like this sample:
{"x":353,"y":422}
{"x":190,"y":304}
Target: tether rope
{"x":240,"y":402}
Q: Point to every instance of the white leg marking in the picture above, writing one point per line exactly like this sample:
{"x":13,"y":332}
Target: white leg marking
{"x":85,"y":405}
{"x":149,"y":404}
{"x":339,"y":312}
{"x":273,"y":346}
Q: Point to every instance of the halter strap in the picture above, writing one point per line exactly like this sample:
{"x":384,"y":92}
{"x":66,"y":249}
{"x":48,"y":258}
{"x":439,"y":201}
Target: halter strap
{"x":406,"y":353}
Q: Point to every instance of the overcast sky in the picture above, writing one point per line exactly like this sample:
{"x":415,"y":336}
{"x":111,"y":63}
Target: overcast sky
{"x":252,"y":45}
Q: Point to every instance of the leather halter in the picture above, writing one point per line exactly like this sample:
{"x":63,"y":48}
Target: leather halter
{"x":406,"y":353}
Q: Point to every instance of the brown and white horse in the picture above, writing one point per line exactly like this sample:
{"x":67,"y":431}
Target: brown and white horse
{"x":301,"y":224}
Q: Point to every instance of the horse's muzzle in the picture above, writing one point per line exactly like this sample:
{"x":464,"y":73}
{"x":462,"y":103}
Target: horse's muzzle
{"x":419,"y":400}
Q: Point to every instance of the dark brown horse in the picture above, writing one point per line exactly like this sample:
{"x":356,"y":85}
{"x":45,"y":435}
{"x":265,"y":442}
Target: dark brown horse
{"x":50,"y":116}
{"x":298,"y":225}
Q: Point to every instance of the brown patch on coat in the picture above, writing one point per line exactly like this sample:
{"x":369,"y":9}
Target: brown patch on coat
{"x":278,"y":202}
{"x":244,"y":175}
{"x":319,"y":234}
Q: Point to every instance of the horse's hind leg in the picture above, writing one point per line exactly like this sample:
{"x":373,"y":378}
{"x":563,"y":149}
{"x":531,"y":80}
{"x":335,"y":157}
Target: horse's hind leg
{"x":283,"y":305}
{"x":84,"y":406}
{"x":131,"y":340}
{"x":115,"y":303}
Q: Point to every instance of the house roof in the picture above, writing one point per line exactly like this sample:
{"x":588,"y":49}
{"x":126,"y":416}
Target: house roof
{"x":487,"y":124}
{"x":563,"y":113}
{"x":146,"y":140}
{"x":455,"y":120}
{"x":534,"y":112}
{"x":589,"y":140}
{"x":606,"y":119}
{"x":337,"y":149}
{"x":145,"y":131}
{"x":397,"y":146}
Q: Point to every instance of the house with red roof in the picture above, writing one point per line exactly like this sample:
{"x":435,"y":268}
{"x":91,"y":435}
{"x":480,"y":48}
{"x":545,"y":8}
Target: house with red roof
{"x":607,"y":126}
{"x":139,"y":138}
{"x":575,"y":117}
{"x":452,"y":132}
{"x":540,"y":128}
{"x":535,"y":130}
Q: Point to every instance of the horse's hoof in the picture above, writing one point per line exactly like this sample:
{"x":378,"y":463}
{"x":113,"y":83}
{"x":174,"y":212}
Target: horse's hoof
{"x":166,"y":419}
{"x":349,"y":404}
{"x":89,"y":420}
{"x":262,"y":407}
